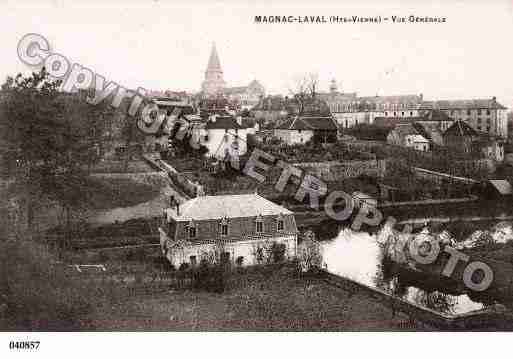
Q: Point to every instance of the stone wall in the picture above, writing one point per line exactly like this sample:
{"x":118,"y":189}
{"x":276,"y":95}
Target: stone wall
{"x":337,"y":170}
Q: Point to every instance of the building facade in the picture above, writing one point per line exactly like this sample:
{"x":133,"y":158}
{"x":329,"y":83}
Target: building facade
{"x":235,"y":228}
{"x":483,"y":115}
{"x":349,"y":110}
{"x":224,"y":136}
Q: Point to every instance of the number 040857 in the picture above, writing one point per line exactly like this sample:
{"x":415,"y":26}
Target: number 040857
{"x":24,"y":345}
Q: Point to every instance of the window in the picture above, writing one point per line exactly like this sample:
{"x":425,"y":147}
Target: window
{"x":468,"y":112}
{"x":259,"y":226}
{"x":192,"y":232}
{"x":402,"y":113}
{"x":488,"y":112}
{"x":479,"y":120}
{"x":395,"y":114}
{"x":224,"y":229}
{"x":386,"y":114}
{"x":280,"y":224}
{"x":479,"y":111}
{"x":298,"y":131}
{"x":411,"y":113}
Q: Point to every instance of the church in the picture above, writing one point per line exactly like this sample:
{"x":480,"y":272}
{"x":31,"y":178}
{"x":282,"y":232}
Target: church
{"x":214,"y":85}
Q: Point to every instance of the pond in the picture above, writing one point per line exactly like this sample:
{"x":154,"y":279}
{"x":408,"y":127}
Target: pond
{"x":358,"y":256}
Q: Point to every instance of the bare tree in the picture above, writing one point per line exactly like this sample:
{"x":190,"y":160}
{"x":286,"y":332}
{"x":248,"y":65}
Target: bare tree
{"x":304,"y":90}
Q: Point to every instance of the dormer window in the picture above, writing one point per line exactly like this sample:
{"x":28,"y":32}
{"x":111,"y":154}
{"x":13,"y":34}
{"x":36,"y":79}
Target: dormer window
{"x":191,"y":230}
{"x":280,"y":224}
{"x":224,"y":227}
{"x":259,"y":224}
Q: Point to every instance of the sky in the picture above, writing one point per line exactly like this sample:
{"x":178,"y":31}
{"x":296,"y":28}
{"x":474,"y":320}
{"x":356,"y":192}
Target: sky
{"x":163,"y":45}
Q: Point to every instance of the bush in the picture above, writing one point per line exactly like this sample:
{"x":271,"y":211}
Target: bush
{"x":276,"y":253}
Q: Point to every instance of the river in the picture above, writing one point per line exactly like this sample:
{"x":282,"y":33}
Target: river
{"x":358,"y":256}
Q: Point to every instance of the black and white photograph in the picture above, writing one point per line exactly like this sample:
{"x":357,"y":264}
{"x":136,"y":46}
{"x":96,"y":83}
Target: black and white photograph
{"x":255,"y":167}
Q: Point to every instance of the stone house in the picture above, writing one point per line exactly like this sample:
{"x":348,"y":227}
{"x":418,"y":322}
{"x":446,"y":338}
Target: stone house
{"x":406,"y":135}
{"x":300,"y":129}
{"x":240,"y":227}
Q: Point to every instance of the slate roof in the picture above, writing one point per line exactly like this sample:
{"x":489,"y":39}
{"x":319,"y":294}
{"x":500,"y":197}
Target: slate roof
{"x":226,"y":206}
{"x":393,"y":121}
{"x":213,"y":62}
{"x":223,"y":122}
{"x":422,"y":130}
{"x":412,"y":99}
{"x":404,"y":129}
{"x":460,"y":129}
{"x":436,"y":115}
{"x":309,"y":123}
{"x":463,"y":104}
{"x":502,"y":186}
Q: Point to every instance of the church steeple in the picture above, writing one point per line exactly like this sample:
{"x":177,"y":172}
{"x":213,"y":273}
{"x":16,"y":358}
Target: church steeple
{"x":213,"y":61}
{"x":214,"y":83}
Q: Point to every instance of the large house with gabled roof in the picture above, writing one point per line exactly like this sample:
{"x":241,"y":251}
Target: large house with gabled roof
{"x":241,"y":227}
{"x":299,"y":129}
{"x":461,"y":137}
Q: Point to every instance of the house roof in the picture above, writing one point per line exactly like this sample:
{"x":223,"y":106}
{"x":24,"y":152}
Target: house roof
{"x":436,"y":115}
{"x":419,"y":138}
{"x":405,"y":129}
{"x":463,"y":104}
{"x":226,"y":206}
{"x":502,"y":186}
{"x":309,"y":123}
{"x":223,"y":122}
{"x":412,"y":99}
{"x":235,"y":90}
{"x":460,"y":128}
{"x":393,"y":121}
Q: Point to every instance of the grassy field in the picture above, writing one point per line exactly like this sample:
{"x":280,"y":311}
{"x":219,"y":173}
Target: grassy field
{"x":107,"y":193}
{"x":111,"y":166}
{"x":255,"y":301}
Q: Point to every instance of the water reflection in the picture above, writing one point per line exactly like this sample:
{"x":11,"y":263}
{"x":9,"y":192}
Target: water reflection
{"x":359,"y":256}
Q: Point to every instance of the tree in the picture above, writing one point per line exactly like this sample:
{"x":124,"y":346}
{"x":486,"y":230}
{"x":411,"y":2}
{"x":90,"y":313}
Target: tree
{"x":304,"y":91}
{"x":50,"y":137}
{"x":310,"y":256}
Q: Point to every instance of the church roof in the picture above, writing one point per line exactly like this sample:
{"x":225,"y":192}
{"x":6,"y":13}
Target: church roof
{"x":213,"y":62}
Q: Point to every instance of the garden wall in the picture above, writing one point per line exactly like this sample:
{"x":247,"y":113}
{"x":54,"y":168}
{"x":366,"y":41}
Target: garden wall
{"x":337,"y":170}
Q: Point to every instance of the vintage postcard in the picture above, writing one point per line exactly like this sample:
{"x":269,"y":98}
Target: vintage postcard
{"x":290,"y":166}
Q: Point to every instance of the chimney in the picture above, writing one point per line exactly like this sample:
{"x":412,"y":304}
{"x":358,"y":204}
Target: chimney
{"x":239,"y":120}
